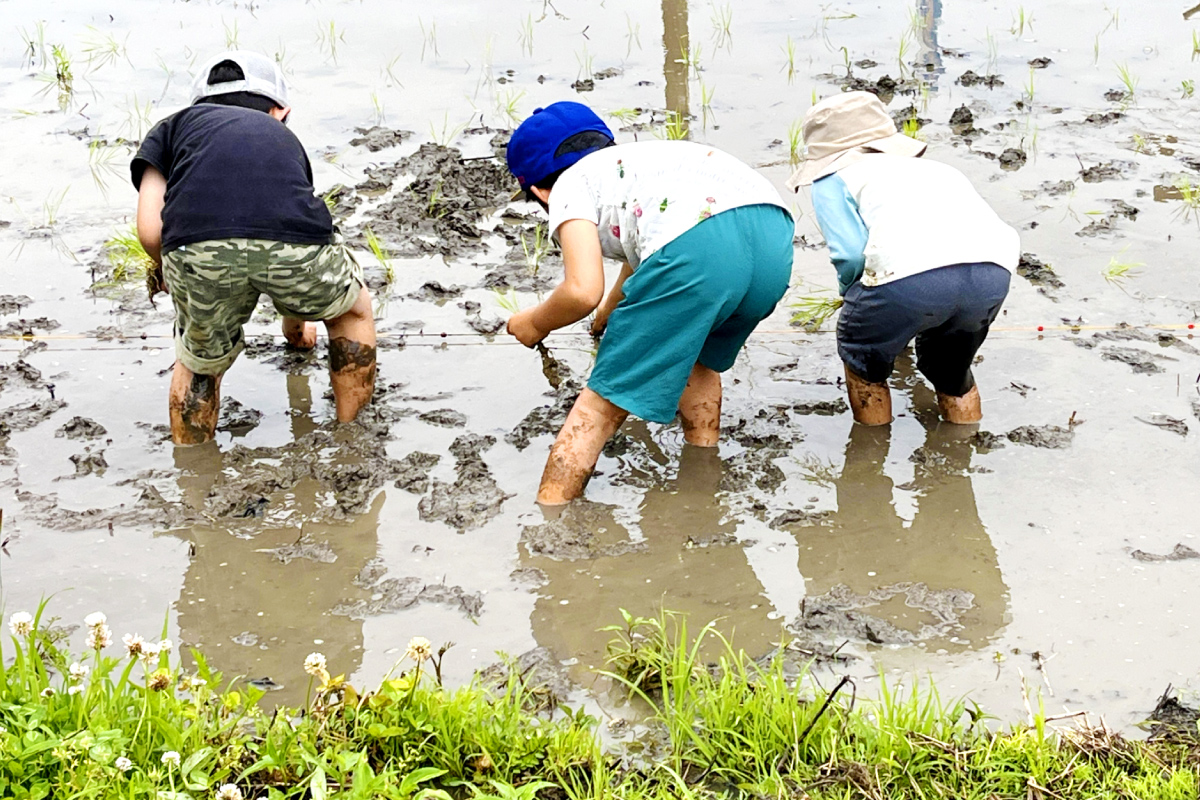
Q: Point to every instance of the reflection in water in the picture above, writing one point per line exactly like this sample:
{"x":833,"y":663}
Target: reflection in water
{"x":250,"y":613}
{"x":929,"y":54}
{"x":689,"y":562}
{"x":867,"y":546}
{"x":676,"y":46}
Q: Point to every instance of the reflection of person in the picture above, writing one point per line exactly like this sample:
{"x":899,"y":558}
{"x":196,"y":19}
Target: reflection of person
{"x":918,"y":254}
{"x":867,"y":546}
{"x":688,"y":562}
{"x":707,"y":249}
{"x":252,"y":614}
{"x":226,"y":207}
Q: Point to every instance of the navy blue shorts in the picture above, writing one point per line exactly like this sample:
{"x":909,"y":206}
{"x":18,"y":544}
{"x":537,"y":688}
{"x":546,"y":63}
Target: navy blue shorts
{"x":948,"y":310}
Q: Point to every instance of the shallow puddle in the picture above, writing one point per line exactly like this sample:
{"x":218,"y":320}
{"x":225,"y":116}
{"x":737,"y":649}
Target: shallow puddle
{"x":1051,"y":543}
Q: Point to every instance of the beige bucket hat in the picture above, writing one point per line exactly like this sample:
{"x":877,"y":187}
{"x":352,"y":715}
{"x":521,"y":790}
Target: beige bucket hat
{"x":837,"y":126}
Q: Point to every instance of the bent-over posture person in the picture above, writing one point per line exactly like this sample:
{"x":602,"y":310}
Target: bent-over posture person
{"x":226,"y":208}
{"x":706,"y":246}
{"x":918,"y":253}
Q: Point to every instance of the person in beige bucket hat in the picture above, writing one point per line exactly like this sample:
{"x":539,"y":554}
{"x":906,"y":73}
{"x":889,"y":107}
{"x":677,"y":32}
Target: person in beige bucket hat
{"x":918,"y":254}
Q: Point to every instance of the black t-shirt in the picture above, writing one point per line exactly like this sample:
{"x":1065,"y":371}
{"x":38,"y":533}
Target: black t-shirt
{"x":232,"y":173}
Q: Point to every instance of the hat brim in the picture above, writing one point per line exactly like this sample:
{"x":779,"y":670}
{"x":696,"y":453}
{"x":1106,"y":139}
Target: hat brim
{"x":811,"y":170}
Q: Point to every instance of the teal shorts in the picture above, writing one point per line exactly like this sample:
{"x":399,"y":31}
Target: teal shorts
{"x":696,"y":300}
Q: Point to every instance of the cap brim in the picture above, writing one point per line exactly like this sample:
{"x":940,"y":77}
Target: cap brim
{"x":898,"y":144}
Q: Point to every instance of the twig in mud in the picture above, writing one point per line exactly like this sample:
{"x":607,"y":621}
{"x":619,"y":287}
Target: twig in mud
{"x":1041,"y":662}
{"x":824,"y":706}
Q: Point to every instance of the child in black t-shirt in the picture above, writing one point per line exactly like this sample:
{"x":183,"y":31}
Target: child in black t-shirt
{"x":226,"y":207}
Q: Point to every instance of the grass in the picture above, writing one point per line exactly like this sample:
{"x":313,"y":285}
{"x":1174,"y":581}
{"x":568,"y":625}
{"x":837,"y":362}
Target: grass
{"x":633,"y":35}
{"x":104,"y":49}
{"x":106,"y":726}
{"x":795,"y":140}
{"x":35,"y":45}
{"x":231,"y":35}
{"x":60,"y":77}
{"x":1128,"y":80}
{"x":506,"y":104}
{"x":381,"y":255}
{"x":585,"y":61}
{"x":789,"y":65}
{"x":1118,"y":271}
{"x":811,"y":311}
{"x":625,"y":116}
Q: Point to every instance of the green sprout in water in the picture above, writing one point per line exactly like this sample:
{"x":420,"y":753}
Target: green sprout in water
{"x":328,"y":37}
{"x":535,"y":252}
{"x":507,"y":102}
{"x":811,"y":311}
{"x":1021,"y":21}
{"x":789,"y":66}
{"x":62,"y":78}
{"x":1188,"y":86}
{"x":795,"y":139}
{"x":103,"y":49}
{"x":911,"y":127}
{"x":446,"y":135}
{"x":507,"y":300}
{"x":525,"y":36}
{"x":722,"y":22}
{"x":1189,"y":196}
{"x":674,"y":127}
{"x":1128,"y":80}
{"x":231,"y":35}
{"x":127,"y":260}
{"x":625,"y":116}
{"x":1117,"y":272}
{"x":428,"y":37}
{"x":381,"y":255}
{"x":1195,"y":45}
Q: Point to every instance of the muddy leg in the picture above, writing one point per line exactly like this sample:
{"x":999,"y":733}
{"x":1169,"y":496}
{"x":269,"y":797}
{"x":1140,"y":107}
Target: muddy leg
{"x":870,"y":402}
{"x":700,"y":407}
{"x":961,"y":410}
{"x":195,"y":402}
{"x":300,"y":334}
{"x":352,"y":357}
{"x":592,"y":421}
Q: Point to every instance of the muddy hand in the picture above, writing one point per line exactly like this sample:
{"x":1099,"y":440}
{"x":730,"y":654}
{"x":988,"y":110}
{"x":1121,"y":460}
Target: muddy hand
{"x":521,"y":326}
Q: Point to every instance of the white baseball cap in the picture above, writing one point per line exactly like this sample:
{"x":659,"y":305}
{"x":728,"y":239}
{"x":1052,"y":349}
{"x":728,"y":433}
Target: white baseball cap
{"x":263,"y":77}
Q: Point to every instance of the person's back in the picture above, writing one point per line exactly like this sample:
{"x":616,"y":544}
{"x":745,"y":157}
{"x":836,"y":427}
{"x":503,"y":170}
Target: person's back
{"x":233,"y":172}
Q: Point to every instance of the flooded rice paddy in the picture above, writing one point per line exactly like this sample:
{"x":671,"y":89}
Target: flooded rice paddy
{"x":1056,"y":543}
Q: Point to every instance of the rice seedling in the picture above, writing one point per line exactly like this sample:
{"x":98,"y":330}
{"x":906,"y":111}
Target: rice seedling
{"x":1118,"y":271}
{"x":231,"y":34}
{"x":536,"y":250}
{"x":674,"y":127}
{"x":329,"y":37}
{"x":1188,"y":87}
{"x":433,"y":206}
{"x":1195,"y":45}
{"x":61,"y":76}
{"x":1027,"y":92}
{"x":911,"y":127}
{"x":106,"y":163}
{"x":331,"y":197}
{"x":795,"y":140}
{"x":633,"y":35}
{"x":625,"y":115}
{"x":447,"y":134}
{"x":506,"y":103}
{"x":377,"y":113}
{"x":993,"y":50}
{"x":1096,"y":51}
{"x":722,"y":23}
{"x":428,"y":37}
{"x":1128,"y":80}
{"x":137,"y":118}
{"x":1189,"y":197}
{"x":525,"y":36}
{"x":691,"y":59}
{"x":127,"y":259}
{"x":789,"y":65}
{"x":104,"y":49}
{"x":1021,"y":21}
{"x":812,"y":310}
{"x":35,"y":45}
{"x":706,"y":98}
{"x":507,"y":300}
{"x":388,"y":71}
{"x":1139,"y":143}
{"x":902,"y":54}
{"x":381,"y":255}
{"x":585,"y":61}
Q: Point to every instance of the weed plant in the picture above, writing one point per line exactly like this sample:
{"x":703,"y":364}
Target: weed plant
{"x":129,"y":720}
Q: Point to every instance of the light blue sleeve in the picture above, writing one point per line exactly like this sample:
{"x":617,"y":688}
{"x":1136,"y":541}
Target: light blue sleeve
{"x":843,"y":228}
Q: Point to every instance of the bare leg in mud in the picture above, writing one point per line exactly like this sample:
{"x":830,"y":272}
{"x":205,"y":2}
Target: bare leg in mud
{"x":300,"y":334}
{"x":592,"y":422}
{"x":352,"y":357}
{"x":700,"y":407}
{"x":961,"y":410}
{"x":195,"y":402}
{"x":871,"y":403}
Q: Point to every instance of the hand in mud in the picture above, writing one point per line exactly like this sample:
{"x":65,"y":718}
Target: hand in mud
{"x":599,"y":322}
{"x":521,"y":326}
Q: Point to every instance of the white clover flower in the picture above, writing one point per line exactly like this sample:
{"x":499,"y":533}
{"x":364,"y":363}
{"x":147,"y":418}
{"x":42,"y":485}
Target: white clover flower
{"x":228,"y":792}
{"x":159,"y":680}
{"x":133,"y":644}
{"x":48,"y":691}
{"x":166,"y":646}
{"x":99,"y":637}
{"x":78,"y":671}
{"x":315,"y":665}
{"x":170,"y":758}
{"x":95,"y":619}
{"x":74,"y":690}
{"x":149,"y":653}
{"x":21,"y":623}
{"x":419,"y":649}
{"x":122,"y":763}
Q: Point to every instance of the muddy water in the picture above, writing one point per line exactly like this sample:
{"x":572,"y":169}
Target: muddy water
{"x":918,"y":550}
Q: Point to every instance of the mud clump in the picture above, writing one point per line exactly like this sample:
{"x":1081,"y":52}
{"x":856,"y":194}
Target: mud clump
{"x":89,"y":463}
{"x":413,"y":475}
{"x":969,"y":78}
{"x":29,"y":415}
{"x":1172,"y":424}
{"x":23,"y":371}
{"x":1039,"y":273}
{"x":799,"y":517}
{"x":1040,"y":63}
{"x":13,"y":303}
{"x":444,"y":418}
{"x":1172,"y":720}
{"x":1100,"y":172}
{"x":1138,"y":360}
{"x":884,"y":88}
{"x":433,"y":291}
{"x":1012,"y":159}
{"x":838,"y":614}
{"x":579,"y":533}
{"x":822,"y":408}
{"x":474,"y":497}
{"x":237,"y":419}
{"x":305,"y":548}
{"x":752,"y":469}
{"x":985,"y":441}
{"x":389,"y":595}
{"x":1108,"y":222}
{"x":81,"y":428}
{"x":29,"y":327}
{"x":962,"y":122}
{"x":1050,"y":437}
{"x":440,"y":210}
{"x":1124,"y":332}
{"x":1106,"y":118}
{"x":1181,"y":552}
{"x":377,"y":138}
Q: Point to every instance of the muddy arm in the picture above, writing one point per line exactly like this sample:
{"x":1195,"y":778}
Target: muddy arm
{"x":577,"y":296}
{"x":615,"y":296}
{"x":149,"y":212}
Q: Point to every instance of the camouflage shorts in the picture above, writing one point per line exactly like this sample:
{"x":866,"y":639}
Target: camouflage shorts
{"x":215,"y":286}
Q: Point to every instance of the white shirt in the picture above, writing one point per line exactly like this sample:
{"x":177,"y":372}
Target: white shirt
{"x":886,"y":217}
{"x":644,"y":194}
